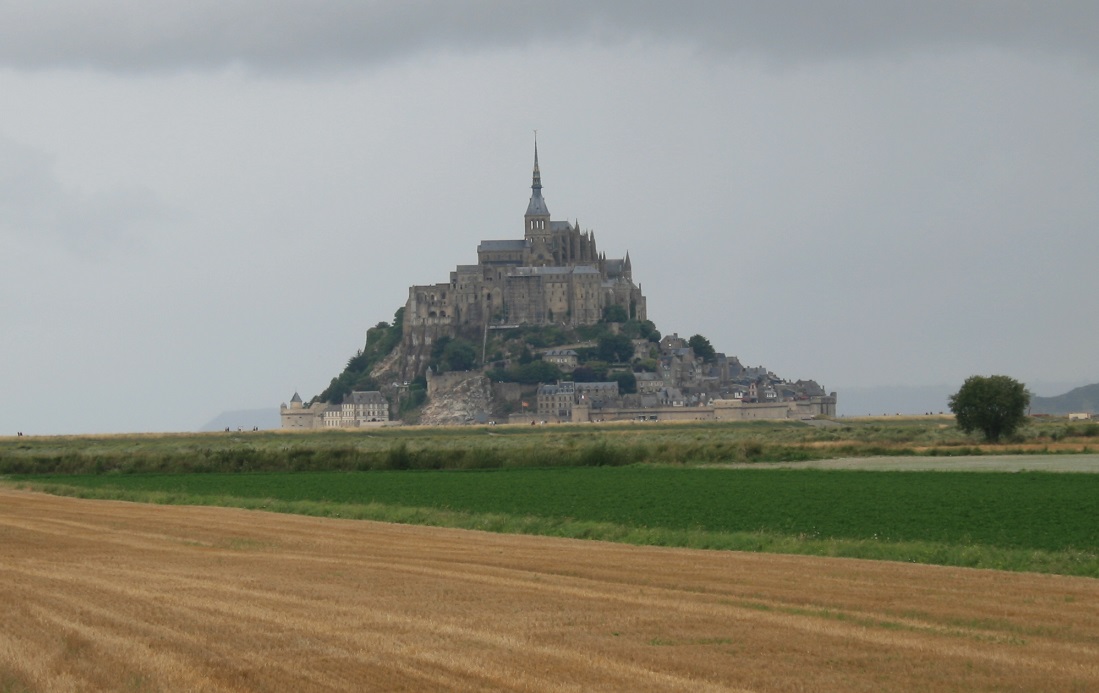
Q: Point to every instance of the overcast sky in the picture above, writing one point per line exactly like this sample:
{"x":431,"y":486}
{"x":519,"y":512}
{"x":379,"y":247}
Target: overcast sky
{"x":205,"y":204}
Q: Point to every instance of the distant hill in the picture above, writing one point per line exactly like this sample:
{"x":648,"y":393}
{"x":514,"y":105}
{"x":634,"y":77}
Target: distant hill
{"x":900,"y":399}
{"x":1084,"y":398}
{"x":245,"y":419}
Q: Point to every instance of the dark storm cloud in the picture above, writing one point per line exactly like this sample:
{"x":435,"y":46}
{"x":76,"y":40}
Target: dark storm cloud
{"x":297,"y":34}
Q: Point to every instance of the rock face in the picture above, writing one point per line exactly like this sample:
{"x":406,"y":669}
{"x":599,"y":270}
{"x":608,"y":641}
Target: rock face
{"x":457,"y":398}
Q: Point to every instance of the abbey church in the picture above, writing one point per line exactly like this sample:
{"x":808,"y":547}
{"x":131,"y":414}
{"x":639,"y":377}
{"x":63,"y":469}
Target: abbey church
{"x":555,"y":274}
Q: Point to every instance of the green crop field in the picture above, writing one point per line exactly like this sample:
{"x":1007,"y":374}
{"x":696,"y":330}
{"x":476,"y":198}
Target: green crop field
{"x":654,"y":483}
{"x":1021,"y":521}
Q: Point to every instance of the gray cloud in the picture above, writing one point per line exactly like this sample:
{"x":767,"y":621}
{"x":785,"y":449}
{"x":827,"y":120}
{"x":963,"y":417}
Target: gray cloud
{"x":861,"y":193}
{"x":35,"y":205}
{"x":302,"y":34}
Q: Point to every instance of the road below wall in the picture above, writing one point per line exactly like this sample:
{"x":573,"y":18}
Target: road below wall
{"x":1078,"y":463}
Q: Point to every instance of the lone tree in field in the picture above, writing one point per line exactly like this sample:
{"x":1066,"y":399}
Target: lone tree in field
{"x":995,"y":405}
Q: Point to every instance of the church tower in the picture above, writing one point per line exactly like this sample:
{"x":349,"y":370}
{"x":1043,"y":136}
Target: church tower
{"x":537,"y":218}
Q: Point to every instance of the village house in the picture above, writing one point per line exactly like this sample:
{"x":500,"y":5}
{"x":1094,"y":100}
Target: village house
{"x":556,"y":402}
{"x":565,"y":359}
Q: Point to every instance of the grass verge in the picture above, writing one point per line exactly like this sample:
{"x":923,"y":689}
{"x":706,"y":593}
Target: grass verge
{"x":495,"y":447}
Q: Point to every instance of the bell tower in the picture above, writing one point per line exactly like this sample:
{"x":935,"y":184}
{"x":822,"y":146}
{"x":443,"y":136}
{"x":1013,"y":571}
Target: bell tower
{"x":537,"y":218}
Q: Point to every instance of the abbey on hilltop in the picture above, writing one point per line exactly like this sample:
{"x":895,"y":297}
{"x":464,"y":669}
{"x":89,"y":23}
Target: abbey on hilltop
{"x":545,"y":327}
{"x":555,"y":274}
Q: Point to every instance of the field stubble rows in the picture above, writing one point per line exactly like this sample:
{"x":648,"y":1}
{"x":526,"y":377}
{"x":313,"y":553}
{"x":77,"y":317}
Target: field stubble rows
{"x":106,"y":595}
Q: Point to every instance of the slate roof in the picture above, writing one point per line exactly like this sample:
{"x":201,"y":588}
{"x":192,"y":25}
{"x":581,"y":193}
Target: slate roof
{"x":509,"y":245}
{"x":563,"y":388}
{"x":598,"y":387}
{"x":537,"y":206}
{"x":531,"y":271}
{"x":366,"y":397}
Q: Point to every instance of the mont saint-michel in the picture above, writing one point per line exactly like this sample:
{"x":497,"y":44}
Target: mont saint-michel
{"x":543,"y":328}
{"x":554,"y":275}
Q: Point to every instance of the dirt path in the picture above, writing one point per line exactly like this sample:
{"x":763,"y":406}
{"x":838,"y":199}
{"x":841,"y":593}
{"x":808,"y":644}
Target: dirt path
{"x":1078,"y":463}
{"x":100,"y":595}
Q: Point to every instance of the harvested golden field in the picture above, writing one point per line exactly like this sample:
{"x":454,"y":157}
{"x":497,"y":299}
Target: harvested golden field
{"x":101,"y":595}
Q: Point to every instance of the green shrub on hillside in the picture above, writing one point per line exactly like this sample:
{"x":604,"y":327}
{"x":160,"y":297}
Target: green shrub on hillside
{"x":381,"y":339}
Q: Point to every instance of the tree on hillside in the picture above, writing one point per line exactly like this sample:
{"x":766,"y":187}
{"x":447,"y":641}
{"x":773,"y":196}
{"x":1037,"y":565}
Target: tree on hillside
{"x":438,"y":347}
{"x":702,"y":348}
{"x":615,"y":313}
{"x":458,"y":355}
{"x":995,"y":405}
{"x":537,"y":372}
{"x":453,"y":354}
{"x":380,"y":341}
{"x":589,"y":374}
{"x":591,"y":333}
{"x":640,"y":329}
{"x":627,"y":383}
{"x":615,"y":348}
{"x":525,"y":356}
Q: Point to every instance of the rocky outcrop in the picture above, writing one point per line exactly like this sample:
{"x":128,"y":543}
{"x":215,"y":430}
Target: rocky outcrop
{"x":457,"y":398}
{"x":416,"y":345}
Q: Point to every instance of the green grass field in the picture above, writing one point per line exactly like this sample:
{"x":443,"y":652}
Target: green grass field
{"x":1019,"y":521}
{"x":653,"y":483}
{"x":481,"y":447}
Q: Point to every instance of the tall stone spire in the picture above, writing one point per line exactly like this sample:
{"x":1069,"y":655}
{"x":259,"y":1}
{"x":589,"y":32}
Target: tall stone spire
{"x":536,"y":221}
{"x":537,"y":206}
{"x":536,"y":185}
